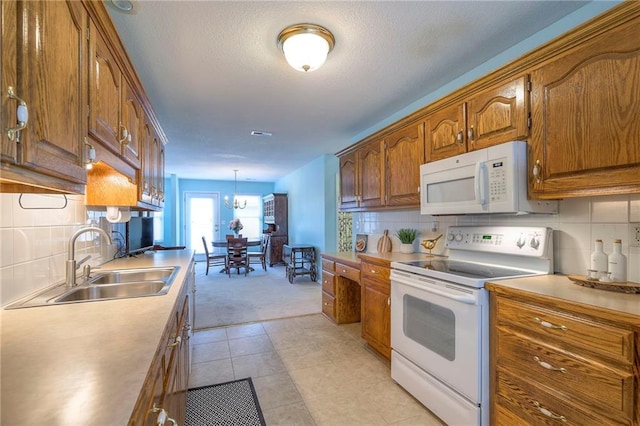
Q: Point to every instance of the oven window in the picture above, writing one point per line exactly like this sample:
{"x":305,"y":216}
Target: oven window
{"x":430,"y":325}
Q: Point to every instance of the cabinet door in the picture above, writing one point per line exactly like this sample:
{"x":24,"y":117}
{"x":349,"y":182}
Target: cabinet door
{"x":9,"y":76}
{"x":585,"y":108}
{"x":371,"y":174}
{"x":445,"y":133}
{"x":52,"y":69}
{"x":159,"y":174}
{"x":376,"y":317}
{"x":348,"y":181}
{"x":132,"y":119}
{"x":146,"y":170}
{"x":498,"y":115}
{"x":105,"y":93}
{"x":404,"y":154}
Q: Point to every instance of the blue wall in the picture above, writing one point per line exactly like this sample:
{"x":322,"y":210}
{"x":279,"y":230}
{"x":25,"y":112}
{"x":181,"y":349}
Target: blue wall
{"x":312,"y":203}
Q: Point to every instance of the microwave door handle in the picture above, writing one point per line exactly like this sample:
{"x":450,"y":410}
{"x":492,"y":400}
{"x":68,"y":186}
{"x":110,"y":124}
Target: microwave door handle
{"x":480,"y":184}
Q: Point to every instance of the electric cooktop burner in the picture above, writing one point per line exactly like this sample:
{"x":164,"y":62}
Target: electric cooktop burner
{"x":468,"y":269}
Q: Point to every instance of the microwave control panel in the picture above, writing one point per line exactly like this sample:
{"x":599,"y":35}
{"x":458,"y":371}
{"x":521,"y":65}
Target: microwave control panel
{"x":497,"y":180}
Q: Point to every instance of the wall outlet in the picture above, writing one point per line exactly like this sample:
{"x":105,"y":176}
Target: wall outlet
{"x":634,"y":235}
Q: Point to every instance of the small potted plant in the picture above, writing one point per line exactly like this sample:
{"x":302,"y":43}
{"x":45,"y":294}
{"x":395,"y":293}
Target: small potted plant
{"x":406,"y":236}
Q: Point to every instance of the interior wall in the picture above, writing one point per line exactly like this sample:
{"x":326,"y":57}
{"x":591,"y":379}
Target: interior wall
{"x":312,"y":204}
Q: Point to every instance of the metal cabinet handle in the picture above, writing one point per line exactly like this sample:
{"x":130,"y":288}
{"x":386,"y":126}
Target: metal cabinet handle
{"x":537,"y":172}
{"x":549,"y":413}
{"x":460,"y":136}
{"x":373,"y":271}
{"x":163,"y":416}
{"x":22,"y":115}
{"x":176,"y":342}
{"x":126,"y":136}
{"x":470,"y":134}
{"x":548,"y":366}
{"x":547,"y":324}
{"x":388,"y":301}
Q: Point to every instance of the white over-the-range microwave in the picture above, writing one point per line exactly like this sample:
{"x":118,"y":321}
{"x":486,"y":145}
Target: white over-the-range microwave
{"x":489,"y":180}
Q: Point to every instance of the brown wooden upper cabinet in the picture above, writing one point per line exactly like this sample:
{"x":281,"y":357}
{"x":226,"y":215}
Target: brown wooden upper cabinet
{"x":115,"y":112}
{"x":384,"y":172}
{"x":492,"y":116}
{"x":585,"y":105}
{"x":48,"y":153}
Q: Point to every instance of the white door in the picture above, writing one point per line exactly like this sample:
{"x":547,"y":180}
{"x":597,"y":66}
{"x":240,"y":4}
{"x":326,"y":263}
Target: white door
{"x":202,"y":218}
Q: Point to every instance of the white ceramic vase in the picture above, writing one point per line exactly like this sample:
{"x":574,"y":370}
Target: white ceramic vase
{"x":406,"y":248}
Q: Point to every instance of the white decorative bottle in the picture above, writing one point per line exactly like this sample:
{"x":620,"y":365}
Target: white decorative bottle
{"x":618,"y":263}
{"x":599,"y":258}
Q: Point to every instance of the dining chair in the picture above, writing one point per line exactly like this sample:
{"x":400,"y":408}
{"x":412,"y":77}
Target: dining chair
{"x":261,"y":256}
{"x":237,"y":255}
{"x":215,"y":259}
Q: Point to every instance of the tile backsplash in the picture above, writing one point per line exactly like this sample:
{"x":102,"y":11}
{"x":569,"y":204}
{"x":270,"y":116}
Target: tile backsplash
{"x":34,"y":234}
{"x":580,"y":221}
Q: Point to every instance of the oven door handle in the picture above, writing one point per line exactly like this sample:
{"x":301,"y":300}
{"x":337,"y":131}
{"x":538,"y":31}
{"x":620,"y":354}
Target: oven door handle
{"x":468,"y":299}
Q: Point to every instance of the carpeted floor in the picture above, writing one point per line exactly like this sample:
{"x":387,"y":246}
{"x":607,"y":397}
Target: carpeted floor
{"x":231,"y":403}
{"x":259,"y":296}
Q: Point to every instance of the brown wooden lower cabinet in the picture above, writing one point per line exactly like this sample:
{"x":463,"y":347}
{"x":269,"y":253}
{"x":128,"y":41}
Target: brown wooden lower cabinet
{"x":166,"y":384}
{"x":554,"y":362}
{"x":340,"y":291}
{"x":376,"y":304}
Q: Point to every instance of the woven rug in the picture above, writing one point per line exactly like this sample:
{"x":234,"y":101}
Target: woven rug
{"x":231,"y":403}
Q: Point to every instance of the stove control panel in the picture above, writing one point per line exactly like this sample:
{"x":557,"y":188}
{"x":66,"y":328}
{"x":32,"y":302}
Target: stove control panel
{"x":526,"y":241}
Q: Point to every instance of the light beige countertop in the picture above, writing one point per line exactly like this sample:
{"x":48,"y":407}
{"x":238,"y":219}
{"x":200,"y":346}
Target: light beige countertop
{"x":355,"y":257}
{"x":84,"y":363}
{"x":561,"y":287}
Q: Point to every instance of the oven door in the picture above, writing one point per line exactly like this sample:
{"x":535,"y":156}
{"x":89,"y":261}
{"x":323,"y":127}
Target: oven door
{"x":438,"y":326}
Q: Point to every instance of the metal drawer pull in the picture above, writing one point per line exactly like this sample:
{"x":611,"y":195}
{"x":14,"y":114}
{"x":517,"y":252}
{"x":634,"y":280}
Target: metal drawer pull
{"x":548,"y":413}
{"x":548,"y":366}
{"x":163,"y":416}
{"x":550,"y":325}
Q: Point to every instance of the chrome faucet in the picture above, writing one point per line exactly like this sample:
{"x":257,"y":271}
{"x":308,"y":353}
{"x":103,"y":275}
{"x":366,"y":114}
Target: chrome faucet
{"x":71,"y":262}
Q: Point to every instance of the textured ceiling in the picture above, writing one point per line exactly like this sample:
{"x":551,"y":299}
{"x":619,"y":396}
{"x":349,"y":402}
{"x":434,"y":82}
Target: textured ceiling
{"x":213,"y":72}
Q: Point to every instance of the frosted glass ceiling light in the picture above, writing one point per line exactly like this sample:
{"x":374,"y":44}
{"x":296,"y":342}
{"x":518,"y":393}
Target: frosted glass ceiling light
{"x":305,"y":46}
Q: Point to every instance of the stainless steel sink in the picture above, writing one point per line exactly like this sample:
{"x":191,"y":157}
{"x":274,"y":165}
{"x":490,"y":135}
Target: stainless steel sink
{"x":106,"y":285}
{"x":131,"y":275}
{"x":112,"y":291}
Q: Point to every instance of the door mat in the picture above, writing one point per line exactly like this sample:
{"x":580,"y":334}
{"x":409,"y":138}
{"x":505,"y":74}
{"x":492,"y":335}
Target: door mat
{"x":230,"y":403}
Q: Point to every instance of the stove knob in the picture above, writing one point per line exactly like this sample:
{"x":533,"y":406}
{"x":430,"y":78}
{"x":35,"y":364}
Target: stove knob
{"x":534,"y":243}
{"x":450,"y":237}
{"x":521,"y":241}
{"x":458,"y":237}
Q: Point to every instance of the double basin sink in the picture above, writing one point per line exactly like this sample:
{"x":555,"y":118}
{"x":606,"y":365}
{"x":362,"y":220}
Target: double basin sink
{"x":108,"y":285}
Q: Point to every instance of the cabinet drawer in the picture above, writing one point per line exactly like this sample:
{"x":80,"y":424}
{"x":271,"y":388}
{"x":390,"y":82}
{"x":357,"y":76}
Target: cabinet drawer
{"x":328,"y":283}
{"x":328,"y":265}
{"x":376,"y":273}
{"x":566,"y":329}
{"x":539,"y":407}
{"x":573,"y":374}
{"x":328,"y":305}
{"x":348,"y":272}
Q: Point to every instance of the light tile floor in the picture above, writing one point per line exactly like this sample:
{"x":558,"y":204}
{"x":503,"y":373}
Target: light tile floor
{"x":307,"y":371}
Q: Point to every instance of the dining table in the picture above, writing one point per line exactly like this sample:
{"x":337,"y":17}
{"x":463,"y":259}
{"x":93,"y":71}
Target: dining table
{"x":251,"y":242}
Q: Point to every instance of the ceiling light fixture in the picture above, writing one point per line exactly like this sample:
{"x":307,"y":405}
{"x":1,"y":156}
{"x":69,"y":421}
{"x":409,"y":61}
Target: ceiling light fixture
{"x":236,"y":202}
{"x":305,"y":46}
